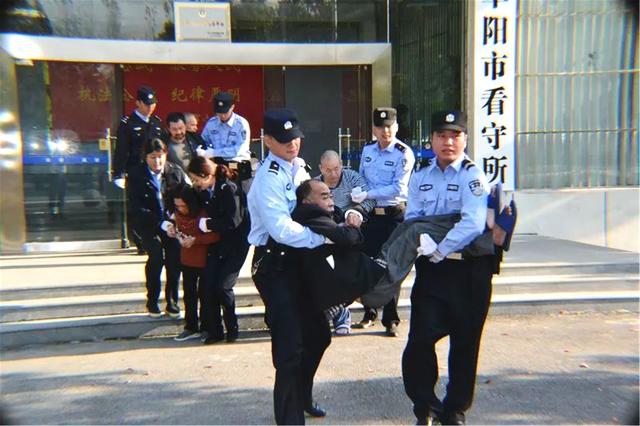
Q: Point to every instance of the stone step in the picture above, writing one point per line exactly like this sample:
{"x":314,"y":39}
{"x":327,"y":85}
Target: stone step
{"x":137,"y":325}
{"x":247,"y":296}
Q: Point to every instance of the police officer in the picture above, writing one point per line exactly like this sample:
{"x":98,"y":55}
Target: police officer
{"x":299,"y":336}
{"x":133,"y":132}
{"x":386,"y":165}
{"x":451,"y":294}
{"x":228,"y":137}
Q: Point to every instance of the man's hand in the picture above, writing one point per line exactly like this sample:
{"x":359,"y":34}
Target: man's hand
{"x":120,"y":183}
{"x":358,"y":197}
{"x":436,"y":257}
{"x":353,"y":219}
{"x":169,"y":228}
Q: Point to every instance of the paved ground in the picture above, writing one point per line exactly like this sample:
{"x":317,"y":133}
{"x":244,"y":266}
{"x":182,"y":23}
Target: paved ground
{"x":540,"y":369}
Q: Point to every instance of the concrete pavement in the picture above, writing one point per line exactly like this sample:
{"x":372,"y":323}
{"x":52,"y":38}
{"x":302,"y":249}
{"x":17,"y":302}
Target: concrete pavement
{"x":562,"y":368}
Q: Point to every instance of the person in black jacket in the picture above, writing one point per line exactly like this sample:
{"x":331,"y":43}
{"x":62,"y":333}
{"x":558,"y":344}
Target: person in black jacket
{"x":134,"y":130}
{"x":333,"y":273}
{"x":225,"y":204}
{"x":149,"y":183}
{"x":182,"y":145}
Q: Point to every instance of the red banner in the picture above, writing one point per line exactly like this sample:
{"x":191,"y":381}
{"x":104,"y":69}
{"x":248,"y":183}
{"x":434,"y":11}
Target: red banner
{"x":81,"y":99}
{"x":191,"y":88}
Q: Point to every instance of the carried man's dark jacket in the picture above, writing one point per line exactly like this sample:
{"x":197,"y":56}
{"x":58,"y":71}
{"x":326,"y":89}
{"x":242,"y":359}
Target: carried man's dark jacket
{"x":333,"y":273}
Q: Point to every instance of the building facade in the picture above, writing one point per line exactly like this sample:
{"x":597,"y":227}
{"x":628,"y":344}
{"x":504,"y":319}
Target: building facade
{"x":68,"y":71}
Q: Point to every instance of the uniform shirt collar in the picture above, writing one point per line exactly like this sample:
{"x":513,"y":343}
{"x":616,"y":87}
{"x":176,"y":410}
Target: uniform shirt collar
{"x":456,"y":165}
{"x":282,"y":163}
{"x":388,"y":148}
{"x":142,"y":117}
{"x":231,"y":120}
{"x":155,"y":175}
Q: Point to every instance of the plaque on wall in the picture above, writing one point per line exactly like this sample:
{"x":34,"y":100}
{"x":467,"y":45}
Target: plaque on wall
{"x":197,"y":21}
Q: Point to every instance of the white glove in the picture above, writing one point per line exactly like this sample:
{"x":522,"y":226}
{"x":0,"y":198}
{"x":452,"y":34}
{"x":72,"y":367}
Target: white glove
{"x":203,"y":225}
{"x":201,"y":152}
{"x":359,"y":197}
{"x":328,"y":241}
{"x":120,"y":183}
{"x":427,"y":244}
{"x":166,"y":225}
{"x":209,"y":153}
{"x":436,"y":257}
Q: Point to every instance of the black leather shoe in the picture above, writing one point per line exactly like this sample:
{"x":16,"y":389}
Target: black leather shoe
{"x":232,"y":336}
{"x":453,"y":419}
{"x":428,"y":421}
{"x":315,"y":411}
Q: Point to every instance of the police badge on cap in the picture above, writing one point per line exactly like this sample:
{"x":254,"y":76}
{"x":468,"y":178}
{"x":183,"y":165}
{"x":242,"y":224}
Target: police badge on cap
{"x":222,"y":102}
{"x":384,"y":117}
{"x":147,"y":95}
{"x":282,"y":125}
{"x":449,"y":120}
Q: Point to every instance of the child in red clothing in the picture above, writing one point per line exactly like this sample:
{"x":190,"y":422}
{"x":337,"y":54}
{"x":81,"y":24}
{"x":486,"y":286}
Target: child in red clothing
{"x":193,"y":255}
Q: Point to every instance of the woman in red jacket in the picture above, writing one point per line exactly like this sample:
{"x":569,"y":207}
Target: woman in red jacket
{"x":193,"y":255}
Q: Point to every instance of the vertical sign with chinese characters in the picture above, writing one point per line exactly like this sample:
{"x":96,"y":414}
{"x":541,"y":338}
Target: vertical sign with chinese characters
{"x":494,"y":90}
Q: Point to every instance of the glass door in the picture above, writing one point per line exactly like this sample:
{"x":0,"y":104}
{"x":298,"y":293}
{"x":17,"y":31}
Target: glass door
{"x":66,"y":110}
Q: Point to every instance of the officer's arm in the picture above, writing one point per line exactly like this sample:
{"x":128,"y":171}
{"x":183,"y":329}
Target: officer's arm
{"x":245,"y":147}
{"x":400,"y":183}
{"x":414,"y":205}
{"x":473,"y":214}
{"x":140,"y":210}
{"x":121,"y":153}
{"x":231,"y":213}
{"x":273,"y":206}
{"x":205,"y":135}
{"x":368,"y":204}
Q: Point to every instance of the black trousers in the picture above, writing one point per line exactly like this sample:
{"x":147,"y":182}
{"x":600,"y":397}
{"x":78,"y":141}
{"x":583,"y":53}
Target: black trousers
{"x":193,"y":291}
{"x":448,"y":298}
{"x":299,"y":337}
{"x":162,"y":251}
{"x":221,"y":274}
{"x":376,"y":232}
{"x":133,"y":234}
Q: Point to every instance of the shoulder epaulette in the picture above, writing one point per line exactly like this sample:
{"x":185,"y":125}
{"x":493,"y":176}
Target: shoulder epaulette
{"x":274,"y":167}
{"x":307,"y":168}
{"x":124,"y":119}
{"x":157,"y":118}
{"x":400,"y":148}
{"x":371,"y":143}
{"x":467,"y":164}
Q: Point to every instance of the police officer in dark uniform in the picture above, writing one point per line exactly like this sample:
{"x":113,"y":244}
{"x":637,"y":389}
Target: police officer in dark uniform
{"x":133,"y":132}
{"x":299,"y":336}
{"x":451,"y":292}
{"x":228,"y":139}
{"x":386,"y":164}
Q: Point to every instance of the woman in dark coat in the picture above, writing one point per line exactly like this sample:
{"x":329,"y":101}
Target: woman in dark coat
{"x":149,"y":182}
{"x":225,"y":204}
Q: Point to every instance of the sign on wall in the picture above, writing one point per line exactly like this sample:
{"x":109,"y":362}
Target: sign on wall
{"x":202,"y":21}
{"x":494,"y":90}
{"x":191,"y":88}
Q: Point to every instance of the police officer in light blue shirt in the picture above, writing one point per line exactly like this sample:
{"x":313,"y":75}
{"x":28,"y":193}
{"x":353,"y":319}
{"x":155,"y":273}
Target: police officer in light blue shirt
{"x":227,"y":134}
{"x":386,"y":165}
{"x":273,"y":233}
{"x":451,"y":293}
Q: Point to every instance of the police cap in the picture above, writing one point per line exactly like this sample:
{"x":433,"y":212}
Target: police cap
{"x":449,"y":120}
{"x":147,"y":95}
{"x":282,"y":124}
{"x":222,"y":102}
{"x":384,"y":116}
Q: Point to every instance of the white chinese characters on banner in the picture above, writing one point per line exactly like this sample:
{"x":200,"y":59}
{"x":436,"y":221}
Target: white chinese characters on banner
{"x":494,"y":93}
